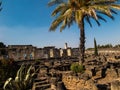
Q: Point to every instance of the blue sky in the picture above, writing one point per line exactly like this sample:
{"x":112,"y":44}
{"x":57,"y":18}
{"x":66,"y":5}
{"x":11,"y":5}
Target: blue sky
{"x":27,"y":22}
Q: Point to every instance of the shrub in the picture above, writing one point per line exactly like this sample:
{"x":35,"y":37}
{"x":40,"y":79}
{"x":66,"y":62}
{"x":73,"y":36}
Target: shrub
{"x":8,"y":68}
{"x":77,"y":68}
{"x":23,"y":79}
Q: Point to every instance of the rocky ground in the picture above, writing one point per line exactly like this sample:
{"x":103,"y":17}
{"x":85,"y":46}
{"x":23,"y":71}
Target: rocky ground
{"x":102,"y":73}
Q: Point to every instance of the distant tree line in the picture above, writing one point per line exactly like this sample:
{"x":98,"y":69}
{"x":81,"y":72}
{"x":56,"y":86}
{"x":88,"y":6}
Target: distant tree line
{"x":106,"y":46}
{"x":109,"y":46}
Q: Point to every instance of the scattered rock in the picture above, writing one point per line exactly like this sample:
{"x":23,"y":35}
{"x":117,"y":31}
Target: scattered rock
{"x":115,"y":85}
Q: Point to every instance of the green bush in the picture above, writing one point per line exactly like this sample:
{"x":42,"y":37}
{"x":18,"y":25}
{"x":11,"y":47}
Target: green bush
{"x":77,"y":68}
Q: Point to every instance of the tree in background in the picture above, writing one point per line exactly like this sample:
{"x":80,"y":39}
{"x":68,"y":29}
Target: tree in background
{"x":2,"y":45}
{"x":117,"y":46}
{"x":95,"y":48}
{"x":3,"y":50}
{"x":105,"y":46}
{"x":69,"y":11}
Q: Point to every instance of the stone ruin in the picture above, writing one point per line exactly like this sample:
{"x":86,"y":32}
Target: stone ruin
{"x":100,"y":74}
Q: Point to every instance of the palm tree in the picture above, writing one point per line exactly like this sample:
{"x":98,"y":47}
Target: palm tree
{"x":69,"y":11}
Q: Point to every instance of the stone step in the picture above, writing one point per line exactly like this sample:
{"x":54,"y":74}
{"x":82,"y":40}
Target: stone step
{"x":41,"y":83}
{"x":48,"y":89}
{"x":42,"y":87}
{"x":38,"y":80}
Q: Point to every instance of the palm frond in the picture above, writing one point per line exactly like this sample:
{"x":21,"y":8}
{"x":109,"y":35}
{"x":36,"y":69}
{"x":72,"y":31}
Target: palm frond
{"x":115,"y":6}
{"x":0,"y":6}
{"x":93,"y":14}
{"x":104,"y":10}
{"x":56,"y":23}
{"x":98,"y":23}
{"x":6,"y":83}
{"x":70,"y":22}
{"x":68,"y":19}
{"x":103,"y":2}
{"x":78,"y":16}
{"x":110,"y":16}
{"x":113,"y":11}
{"x":69,"y":11}
{"x":54,"y":2}
{"x":58,"y":9}
{"x":100,"y":17}
{"x":88,"y":20}
{"x":63,"y":25}
{"x":0,"y":3}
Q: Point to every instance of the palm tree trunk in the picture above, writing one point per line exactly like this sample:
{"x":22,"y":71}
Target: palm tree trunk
{"x":82,"y":42}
